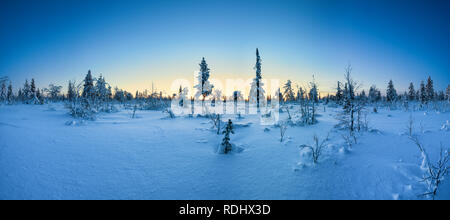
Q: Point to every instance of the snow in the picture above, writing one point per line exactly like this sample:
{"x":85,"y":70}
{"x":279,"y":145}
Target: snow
{"x":45,"y":154}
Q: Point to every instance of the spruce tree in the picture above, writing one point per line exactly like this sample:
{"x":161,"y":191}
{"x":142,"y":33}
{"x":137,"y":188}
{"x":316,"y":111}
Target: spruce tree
{"x":447,"y":93}
{"x":339,"y":93}
{"x":9,"y":96}
{"x":26,"y":91}
{"x":429,"y":90}
{"x":71,"y":91}
{"x":33,"y":88}
{"x":227,"y":146}
{"x":88,"y":89}
{"x":20,"y":95}
{"x":313,"y":92}
{"x":3,"y":92}
{"x":101,"y":93}
{"x":258,"y":79}
{"x":288,"y":91}
{"x":204,"y":87}
{"x":411,"y":92}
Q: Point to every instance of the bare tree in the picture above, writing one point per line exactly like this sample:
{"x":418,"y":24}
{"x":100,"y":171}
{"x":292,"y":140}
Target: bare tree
{"x":317,"y":147}
{"x":216,"y":120}
{"x":435,"y":172}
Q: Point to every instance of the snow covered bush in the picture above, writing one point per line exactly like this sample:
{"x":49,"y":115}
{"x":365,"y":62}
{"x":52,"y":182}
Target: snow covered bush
{"x":216,"y":120}
{"x":434,"y":172}
{"x":317,"y":148}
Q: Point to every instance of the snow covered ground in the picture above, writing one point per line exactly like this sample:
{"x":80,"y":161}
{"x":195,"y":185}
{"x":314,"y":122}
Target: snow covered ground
{"x":45,"y":156}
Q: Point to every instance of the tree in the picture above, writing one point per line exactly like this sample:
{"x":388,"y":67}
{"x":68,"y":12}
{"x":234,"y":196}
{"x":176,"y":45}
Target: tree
{"x":39,"y":98}
{"x":204,"y":87}
{"x":183,"y":97}
{"x":411,"y":92}
{"x":429,"y":90}
{"x":53,"y":91}
{"x":447,"y":93}
{"x":71,"y":91}
{"x":288,"y":91}
{"x":119,"y":95}
{"x":256,"y":87}
{"x":339,"y":93}
{"x":313,"y":91}
{"x":227,"y":146}
{"x":350,"y":106}
{"x":3,"y":91}
{"x":10,"y":95}
{"x":363,"y":97}
{"x":391,"y":93}
{"x":237,"y":96}
{"x":33,"y":88}
{"x":88,"y":87}
{"x":422,"y":93}
{"x":26,"y":91}
{"x":301,"y":95}
{"x":20,"y":95}
{"x":102,"y":94}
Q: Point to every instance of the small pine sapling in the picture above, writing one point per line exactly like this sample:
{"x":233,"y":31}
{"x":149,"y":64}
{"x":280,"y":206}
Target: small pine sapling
{"x":227,"y":147}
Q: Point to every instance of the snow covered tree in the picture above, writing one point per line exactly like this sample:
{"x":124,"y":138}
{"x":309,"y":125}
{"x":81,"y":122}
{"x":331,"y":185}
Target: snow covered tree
{"x":256,"y":90}
{"x":54,"y":92}
{"x":20,"y":95}
{"x":88,"y":88}
{"x":33,"y":88}
{"x":204,"y":87}
{"x":278,"y":97}
{"x":422,"y":93}
{"x":351,"y":106}
{"x":411,"y":92}
{"x":363,"y":97}
{"x":374,"y":94}
{"x":237,"y":96}
{"x":313,"y":91}
{"x":3,"y":91}
{"x":288,"y":91}
{"x":39,"y":96}
{"x":129,"y":96}
{"x":339,"y":92}
{"x":447,"y":93}
{"x":102,"y":94}
{"x":441,"y":96}
{"x":226,"y":145}
{"x":119,"y":95}
{"x":183,"y":97}
{"x":391,"y":93}
{"x":301,"y":95}
{"x":71,"y":90}
{"x":429,"y":90}
{"x":26,"y":91}
{"x":313,"y":99}
{"x":10,"y":95}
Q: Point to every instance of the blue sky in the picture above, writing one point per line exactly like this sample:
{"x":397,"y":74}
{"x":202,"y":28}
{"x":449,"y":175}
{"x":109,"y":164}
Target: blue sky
{"x":135,"y":43}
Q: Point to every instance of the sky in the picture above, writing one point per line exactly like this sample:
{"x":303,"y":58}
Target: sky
{"x":136,"y":43}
